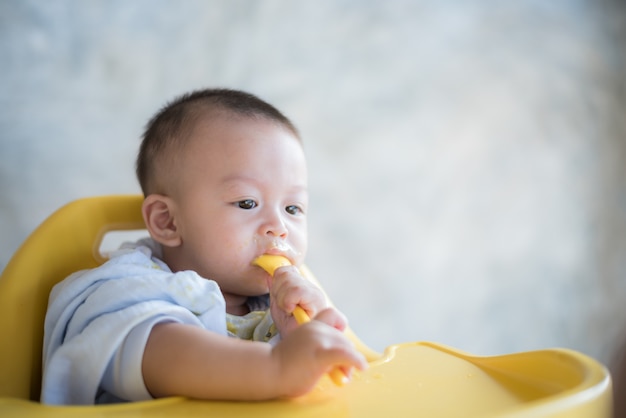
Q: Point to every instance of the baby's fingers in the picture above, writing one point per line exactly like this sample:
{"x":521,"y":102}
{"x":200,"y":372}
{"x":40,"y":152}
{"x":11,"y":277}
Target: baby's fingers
{"x":332,"y":317}
{"x":290,"y":289}
{"x":337,"y":350}
{"x":340,"y":353}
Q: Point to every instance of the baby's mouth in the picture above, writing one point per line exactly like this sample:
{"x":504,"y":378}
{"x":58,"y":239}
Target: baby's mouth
{"x":276,"y":247}
{"x":280,"y":246}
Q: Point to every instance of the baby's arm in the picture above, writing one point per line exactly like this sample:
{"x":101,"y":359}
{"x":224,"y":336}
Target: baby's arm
{"x":185,"y":360}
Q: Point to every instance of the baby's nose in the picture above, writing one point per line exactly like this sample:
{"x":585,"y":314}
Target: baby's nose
{"x":275,"y":226}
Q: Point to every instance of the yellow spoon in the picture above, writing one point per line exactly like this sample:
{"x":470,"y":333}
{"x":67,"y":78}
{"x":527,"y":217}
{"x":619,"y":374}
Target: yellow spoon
{"x":270,"y":263}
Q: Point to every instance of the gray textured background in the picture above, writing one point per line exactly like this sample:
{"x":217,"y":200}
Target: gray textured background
{"x":468,"y":158}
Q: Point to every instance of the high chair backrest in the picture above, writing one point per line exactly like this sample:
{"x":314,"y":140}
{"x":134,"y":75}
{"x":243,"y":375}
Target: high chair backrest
{"x":66,"y":242}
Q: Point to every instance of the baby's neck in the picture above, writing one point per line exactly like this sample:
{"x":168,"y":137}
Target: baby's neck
{"x":236,"y":304}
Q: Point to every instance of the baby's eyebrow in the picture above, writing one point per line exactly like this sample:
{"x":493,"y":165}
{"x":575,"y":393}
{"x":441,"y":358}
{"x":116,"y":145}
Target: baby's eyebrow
{"x":300,"y":188}
{"x":234,"y":179}
{"x":237,"y":178}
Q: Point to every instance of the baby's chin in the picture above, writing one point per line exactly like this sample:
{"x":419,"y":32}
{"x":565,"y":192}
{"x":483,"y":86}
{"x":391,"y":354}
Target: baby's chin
{"x":256,"y":290}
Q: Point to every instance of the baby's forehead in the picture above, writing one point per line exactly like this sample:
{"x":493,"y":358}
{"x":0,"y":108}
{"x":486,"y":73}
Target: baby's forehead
{"x":217,"y":128}
{"x":215,"y":124}
{"x":227,"y":149}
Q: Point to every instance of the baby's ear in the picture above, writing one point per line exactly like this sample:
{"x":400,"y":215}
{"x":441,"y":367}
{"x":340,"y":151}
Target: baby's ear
{"x":159,"y":215}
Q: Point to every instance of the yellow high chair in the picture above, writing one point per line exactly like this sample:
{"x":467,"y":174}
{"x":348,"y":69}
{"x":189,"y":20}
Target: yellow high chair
{"x":411,"y":379}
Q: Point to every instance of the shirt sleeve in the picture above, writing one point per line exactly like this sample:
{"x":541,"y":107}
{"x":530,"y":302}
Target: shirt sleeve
{"x":123,"y":378}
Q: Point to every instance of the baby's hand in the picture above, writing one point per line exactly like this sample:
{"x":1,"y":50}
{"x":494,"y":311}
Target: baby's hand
{"x":312,"y":350}
{"x":288,"y":290}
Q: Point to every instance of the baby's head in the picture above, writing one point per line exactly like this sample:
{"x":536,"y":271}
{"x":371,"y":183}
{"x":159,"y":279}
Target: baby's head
{"x":225,"y":180}
{"x":173,"y":126}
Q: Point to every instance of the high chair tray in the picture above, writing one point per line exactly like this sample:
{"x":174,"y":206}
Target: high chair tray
{"x":411,"y":379}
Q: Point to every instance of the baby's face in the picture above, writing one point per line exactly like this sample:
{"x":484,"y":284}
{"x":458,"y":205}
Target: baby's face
{"x":242,"y":192}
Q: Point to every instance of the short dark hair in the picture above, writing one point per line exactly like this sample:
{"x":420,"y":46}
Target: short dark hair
{"x":174,"y":123}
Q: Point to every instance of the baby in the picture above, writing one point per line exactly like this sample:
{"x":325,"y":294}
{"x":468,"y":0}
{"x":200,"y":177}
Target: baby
{"x":186,"y":312}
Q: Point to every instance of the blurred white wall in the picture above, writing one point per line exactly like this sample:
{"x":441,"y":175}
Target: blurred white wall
{"x":468,"y":158}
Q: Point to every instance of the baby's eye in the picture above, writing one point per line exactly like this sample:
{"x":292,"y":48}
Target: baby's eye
{"x":293,"y":209}
{"x":246,"y":204}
